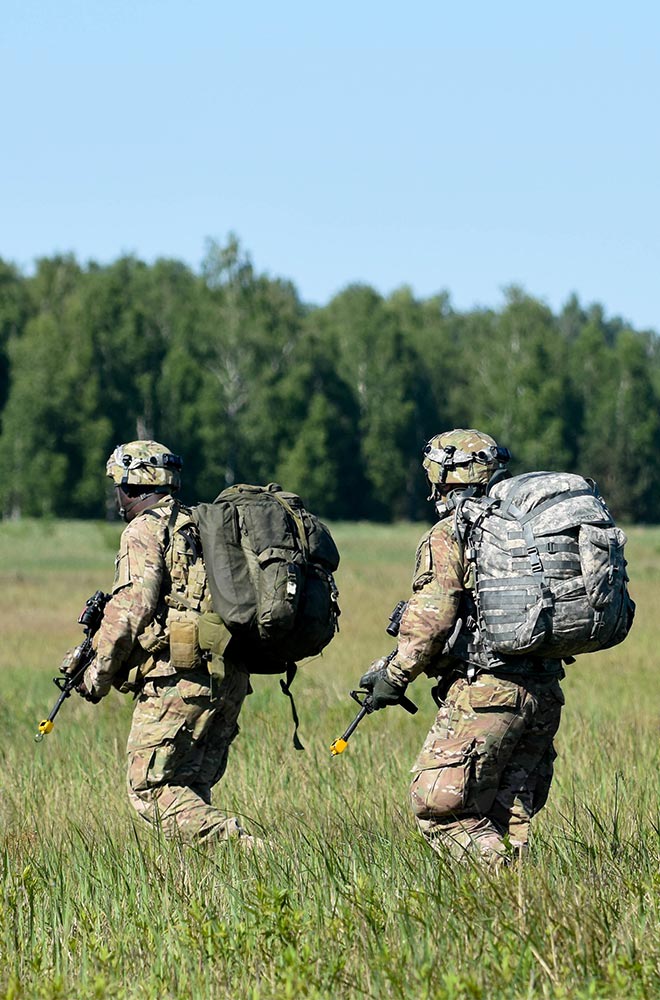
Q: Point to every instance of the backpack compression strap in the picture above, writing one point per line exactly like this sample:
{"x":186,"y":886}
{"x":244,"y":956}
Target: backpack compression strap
{"x":525,"y":519}
{"x":509,"y":509}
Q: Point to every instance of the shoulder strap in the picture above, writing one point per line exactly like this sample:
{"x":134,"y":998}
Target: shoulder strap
{"x":297,"y":520}
{"x":285,"y":684}
{"x":469,"y":512}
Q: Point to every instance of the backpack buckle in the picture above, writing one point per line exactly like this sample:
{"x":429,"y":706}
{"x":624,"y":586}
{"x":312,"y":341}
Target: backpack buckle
{"x":291,"y":581}
{"x":547,"y":598}
{"x":535,"y":559}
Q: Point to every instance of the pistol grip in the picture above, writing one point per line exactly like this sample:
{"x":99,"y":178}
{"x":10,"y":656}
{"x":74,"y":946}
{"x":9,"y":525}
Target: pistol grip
{"x":409,"y":705}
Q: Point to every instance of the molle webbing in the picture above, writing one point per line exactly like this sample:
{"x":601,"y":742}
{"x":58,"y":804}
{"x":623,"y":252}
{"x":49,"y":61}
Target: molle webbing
{"x":185,"y":565}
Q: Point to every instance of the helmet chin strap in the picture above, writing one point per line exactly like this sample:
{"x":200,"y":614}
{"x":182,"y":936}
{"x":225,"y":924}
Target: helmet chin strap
{"x":451,"y":500}
{"x":441,"y":492}
{"x":128,"y":506}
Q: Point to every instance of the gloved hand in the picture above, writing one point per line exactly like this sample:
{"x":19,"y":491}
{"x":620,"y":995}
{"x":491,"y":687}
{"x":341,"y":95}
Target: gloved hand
{"x":85,"y":693}
{"x":383,"y":691}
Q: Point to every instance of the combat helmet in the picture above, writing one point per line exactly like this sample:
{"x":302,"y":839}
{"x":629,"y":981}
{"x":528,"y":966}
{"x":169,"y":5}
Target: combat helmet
{"x":146,"y":464}
{"x":462,"y":458}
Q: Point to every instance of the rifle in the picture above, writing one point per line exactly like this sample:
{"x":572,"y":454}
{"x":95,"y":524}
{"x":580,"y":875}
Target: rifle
{"x":75,"y":663}
{"x":365,"y":701}
{"x":364,"y":698}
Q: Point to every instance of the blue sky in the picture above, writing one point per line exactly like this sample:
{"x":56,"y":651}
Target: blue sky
{"x":443,"y":146}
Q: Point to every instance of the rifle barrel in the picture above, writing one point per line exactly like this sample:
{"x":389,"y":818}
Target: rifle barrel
{"x":341,"y":742}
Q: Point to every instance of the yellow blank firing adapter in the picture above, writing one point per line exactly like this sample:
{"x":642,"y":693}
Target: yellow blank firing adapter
{"x":45,"y":727}
{"x":365,"y":701}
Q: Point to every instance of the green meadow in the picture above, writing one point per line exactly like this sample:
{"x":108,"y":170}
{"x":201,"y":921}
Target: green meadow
{"x":345,"y":900}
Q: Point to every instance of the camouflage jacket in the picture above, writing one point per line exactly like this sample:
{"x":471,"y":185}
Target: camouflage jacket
{"x":432,"y":609}
{"x":142,"y":594}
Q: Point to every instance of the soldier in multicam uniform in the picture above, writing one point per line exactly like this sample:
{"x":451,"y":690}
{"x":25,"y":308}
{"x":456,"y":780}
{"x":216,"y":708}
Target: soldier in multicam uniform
{"x":185,"y":717}
{"x":486,"y":766}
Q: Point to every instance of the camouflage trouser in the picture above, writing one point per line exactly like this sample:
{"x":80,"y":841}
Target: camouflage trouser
{"x":177,"y":751}
{"x":486,"y":766}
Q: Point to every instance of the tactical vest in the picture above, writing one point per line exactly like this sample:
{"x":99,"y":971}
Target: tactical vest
{"x":186,"y":600}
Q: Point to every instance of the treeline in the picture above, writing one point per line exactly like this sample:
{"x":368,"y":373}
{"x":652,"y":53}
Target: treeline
{"x":230,"y":369}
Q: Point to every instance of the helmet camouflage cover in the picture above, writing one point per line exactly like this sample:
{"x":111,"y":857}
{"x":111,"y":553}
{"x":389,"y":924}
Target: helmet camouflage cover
{"x":463,"y":457}
{"x":144,"y":463}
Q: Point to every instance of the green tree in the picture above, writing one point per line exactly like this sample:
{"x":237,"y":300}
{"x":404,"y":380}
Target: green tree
{"x":229,"y":369}
{"x":376,"y":359}
{"x":14,"y":312}
{"x":53,"y":441}
{"x":309,"y":467}
{"x":518,"y":390}
{"x":257,"y":322}
{"x":314,"y":431}
{"x":621,"y":419}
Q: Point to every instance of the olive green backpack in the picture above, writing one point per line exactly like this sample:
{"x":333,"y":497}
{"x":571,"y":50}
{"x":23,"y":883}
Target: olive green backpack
{"x":270,"y":565}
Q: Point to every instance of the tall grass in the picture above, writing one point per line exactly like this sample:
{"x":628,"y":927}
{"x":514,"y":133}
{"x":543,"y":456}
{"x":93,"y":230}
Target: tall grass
{"x":345,"y":899}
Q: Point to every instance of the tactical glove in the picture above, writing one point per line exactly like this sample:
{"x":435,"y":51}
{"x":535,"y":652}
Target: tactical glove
{"x":85,"y":693}
{"x":376,"y":670}
{"x":383,"y":691}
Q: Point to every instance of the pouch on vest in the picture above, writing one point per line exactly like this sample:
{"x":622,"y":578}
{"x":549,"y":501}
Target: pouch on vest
{"x":154,"y":638}
{"x":184,"y":640}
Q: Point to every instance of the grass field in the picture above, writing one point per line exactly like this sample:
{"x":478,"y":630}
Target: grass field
{"x":346,"y":901}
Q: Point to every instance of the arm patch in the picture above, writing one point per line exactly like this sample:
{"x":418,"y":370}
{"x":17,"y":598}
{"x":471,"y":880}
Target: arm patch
{"x":423,"y":563}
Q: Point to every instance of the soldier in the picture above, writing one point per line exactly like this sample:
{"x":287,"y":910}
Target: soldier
{"x":486,"y":766}
{"x":186,"y":717}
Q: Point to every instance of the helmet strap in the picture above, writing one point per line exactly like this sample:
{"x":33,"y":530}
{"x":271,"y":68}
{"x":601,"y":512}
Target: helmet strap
{"x":131,"y":506}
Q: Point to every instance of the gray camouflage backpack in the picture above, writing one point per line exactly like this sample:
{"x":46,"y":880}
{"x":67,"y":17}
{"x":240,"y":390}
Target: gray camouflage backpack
{"x":549,"y":570}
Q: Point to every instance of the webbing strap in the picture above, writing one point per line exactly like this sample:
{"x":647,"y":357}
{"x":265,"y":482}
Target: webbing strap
{"x":612,"y":546}
{"x":298,"y":521}
{"x":547,"y":504}
{"x":508,"y":600}
{"x":171,"y":521}
{"x":598,"y":621}
{"x":503,"y":635}
{"x":291,"y":670}
{"x":551,"y":547}
{"x":506,"y":583}
{"x":506,"y":618}
{"x":547,"y":600}
{"x":533,"y":553}
{"x":561,"y":565}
